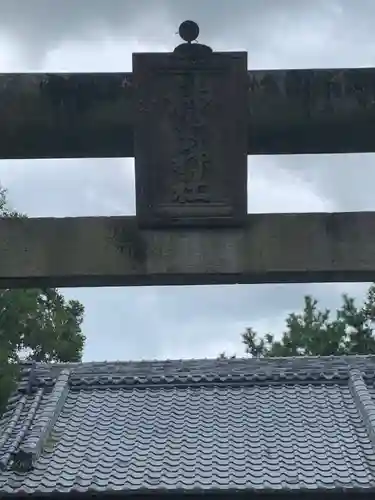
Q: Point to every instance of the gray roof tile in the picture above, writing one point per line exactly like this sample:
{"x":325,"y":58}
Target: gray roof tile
{"x":276,"y":424}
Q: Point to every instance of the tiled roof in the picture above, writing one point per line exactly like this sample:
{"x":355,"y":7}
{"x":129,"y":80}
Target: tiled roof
{"x":242,"y":424}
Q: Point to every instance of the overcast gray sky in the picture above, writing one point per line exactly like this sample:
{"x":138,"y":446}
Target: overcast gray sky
{"x":100,"y":35}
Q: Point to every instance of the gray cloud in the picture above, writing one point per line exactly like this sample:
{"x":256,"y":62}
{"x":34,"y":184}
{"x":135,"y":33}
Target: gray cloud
{"x":42,"y":25}
{"x":70,"y":188}
{"x":348,"y":180}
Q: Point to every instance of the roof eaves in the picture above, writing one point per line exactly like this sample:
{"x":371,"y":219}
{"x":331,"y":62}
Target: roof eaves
{"x":338,"y":493}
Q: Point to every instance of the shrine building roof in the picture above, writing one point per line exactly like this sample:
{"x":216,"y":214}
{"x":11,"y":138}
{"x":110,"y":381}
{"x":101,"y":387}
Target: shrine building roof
{"x":180,"y":426}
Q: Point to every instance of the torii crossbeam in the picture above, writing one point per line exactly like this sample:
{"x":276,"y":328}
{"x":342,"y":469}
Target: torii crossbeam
{"x":189,"y":118}
{"x":86,"y":115}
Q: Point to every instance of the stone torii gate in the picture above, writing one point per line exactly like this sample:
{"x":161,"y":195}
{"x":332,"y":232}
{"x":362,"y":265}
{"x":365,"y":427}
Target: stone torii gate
{"x":190,"y":118}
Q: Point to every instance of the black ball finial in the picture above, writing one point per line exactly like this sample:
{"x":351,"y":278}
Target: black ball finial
{"x":188,"y":31}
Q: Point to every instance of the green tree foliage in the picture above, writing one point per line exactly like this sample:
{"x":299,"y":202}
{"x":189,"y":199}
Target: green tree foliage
{"x":319,"y":332}
{"x":37,"y":325}
{"x":313,"y":332}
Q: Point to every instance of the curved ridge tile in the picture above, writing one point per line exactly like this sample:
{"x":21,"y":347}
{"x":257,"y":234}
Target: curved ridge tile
{"x":11,"y":423}
{"x":33,"y":443}
{"x":214,"y":371}
{"x":365,"y":403}
{"x":12,"y":450}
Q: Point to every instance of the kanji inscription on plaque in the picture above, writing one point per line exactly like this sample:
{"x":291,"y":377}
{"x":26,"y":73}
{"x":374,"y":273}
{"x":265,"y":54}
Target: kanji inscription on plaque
{"x":190,"y":137}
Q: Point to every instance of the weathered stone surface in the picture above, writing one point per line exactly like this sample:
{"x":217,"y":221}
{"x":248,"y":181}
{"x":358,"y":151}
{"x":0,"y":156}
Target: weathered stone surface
{"x":190,"y":139}
{"x":91,"y":115}
{"x":66,"y":115}
{"x":104,"y":251}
